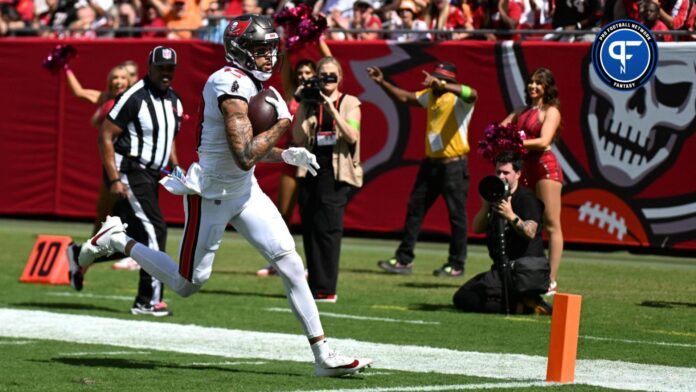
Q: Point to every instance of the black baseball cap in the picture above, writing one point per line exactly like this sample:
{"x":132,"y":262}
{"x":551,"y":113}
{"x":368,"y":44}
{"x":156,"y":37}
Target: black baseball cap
{"x":162,"y":55}
{"x":446,"y":71}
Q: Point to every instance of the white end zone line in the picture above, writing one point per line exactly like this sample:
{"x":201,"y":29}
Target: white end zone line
{"x":455,"y":387}
{"x":639,"y":341}
{"x":102,"y":353}
{"x":353,"y":317}
{"x":245,"y":345}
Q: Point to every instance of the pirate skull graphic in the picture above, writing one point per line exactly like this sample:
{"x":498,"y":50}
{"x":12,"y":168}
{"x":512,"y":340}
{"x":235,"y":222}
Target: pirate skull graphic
{"x":635,"y":133}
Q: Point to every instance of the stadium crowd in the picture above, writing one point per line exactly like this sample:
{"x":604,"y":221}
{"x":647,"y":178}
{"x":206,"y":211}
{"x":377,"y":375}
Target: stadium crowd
{"x":401,"y":20}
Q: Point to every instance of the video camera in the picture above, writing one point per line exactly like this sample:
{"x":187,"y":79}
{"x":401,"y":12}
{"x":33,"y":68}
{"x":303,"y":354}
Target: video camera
{"x":494,"y":189}
{"x":311,"y":90}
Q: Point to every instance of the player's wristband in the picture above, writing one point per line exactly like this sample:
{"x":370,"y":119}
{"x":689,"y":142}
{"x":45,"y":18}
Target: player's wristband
{"x":354,"y":123}
{"x":466,"y":91}
{"x":112,"y":182}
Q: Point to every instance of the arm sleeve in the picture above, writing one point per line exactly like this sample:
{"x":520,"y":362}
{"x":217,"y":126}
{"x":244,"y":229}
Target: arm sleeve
{"x":124,"y":111}
{"x":423,"y":97}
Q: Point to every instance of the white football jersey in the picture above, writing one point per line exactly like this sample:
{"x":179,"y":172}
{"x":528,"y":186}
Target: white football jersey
{"x":222,"y":177}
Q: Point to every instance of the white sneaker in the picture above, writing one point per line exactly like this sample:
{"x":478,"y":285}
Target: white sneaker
{"x":100,"y":244}
{"x":335,"y":365}
{"x":126,"y":264}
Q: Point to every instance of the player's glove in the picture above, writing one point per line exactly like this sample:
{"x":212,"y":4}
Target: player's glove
{"x":299,"y":156}
{"x":279,"y":104}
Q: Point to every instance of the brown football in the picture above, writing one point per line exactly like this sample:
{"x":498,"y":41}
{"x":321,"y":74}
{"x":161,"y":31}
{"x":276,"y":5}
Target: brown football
{"x":261,"y":113}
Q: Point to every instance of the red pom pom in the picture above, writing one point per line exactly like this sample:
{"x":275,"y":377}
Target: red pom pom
{"x":59,"y":57}
{"x":498,"y":138}
{"x":300,"y":25}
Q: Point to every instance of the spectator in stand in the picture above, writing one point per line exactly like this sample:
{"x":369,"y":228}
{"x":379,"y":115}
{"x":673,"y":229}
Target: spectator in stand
{"x":335,"y":8}
{"x":151,"y":19}
{"x":58,"y":16}
{"x":85,"y":23}
{"x":651,"y":19}
{"x":673,"y":13}
{"x":441,"y":15}
{"x":510,"y":13}
{"x":182,"y":14}
{"x":127,"y":19}
{"x":214,"y":22}
{"x":364,"y":18}
{"x":407,"y":12}
{"x":482,"y":15}
{"x":251,"y":7}
{"x":10,"y":19}
{"x":576,"y":15}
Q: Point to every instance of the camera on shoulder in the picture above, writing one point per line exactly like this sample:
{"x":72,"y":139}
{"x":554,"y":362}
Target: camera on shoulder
{"x":311,"y":88}
{"x":494,"y":189}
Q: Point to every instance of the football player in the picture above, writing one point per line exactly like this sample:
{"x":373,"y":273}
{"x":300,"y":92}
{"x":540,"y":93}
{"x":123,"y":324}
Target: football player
{"x":222,"y":189}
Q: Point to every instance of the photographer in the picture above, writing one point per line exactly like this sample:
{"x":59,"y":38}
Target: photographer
{"x":511,"y":218}
{"x":328,"y":125}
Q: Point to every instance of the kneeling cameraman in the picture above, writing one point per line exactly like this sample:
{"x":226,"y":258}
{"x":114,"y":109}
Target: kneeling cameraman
{"x":511,"y":217}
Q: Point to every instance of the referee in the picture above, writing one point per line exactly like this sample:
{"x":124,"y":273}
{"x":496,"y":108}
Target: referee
{"x":136,"y":142}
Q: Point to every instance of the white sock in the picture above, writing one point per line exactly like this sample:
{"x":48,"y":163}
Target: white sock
{"x":302,"y":303}
{"x":162,"y":267}
{"x":321,"y":350}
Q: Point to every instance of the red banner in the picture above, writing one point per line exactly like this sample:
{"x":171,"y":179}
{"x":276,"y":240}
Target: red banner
{"x":624,"y":154}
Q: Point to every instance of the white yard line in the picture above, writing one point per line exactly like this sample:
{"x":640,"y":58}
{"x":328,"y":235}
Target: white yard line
{"x":455,"y":387}
{"x":16,"y":342}
{"x":88,"y":295}
{"x":103,"y":353}
{"x":227,"y":363}
{"x":639,"y":341}
{"x":232,"y":343}
{"x":353,"y":317}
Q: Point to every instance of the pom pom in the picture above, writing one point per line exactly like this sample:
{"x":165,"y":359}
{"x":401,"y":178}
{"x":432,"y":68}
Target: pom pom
{"x":59,"y":57}
{"x":498,"y":138}
{"x":300,"y":25}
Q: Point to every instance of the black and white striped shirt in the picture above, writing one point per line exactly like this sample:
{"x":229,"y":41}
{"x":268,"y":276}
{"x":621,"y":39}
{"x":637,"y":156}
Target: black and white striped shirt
{"x":149,"y":119}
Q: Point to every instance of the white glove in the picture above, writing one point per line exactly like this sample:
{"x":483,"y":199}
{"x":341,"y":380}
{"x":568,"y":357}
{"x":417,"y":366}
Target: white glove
{"x":299,"y":156}
{"x":279,"y":104}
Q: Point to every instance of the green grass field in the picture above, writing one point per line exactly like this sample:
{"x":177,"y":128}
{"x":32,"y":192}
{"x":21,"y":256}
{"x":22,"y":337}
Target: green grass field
{"x":636,"y":309}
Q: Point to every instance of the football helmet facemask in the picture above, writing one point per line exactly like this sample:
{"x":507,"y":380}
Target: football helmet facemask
{"x":243,"y":36}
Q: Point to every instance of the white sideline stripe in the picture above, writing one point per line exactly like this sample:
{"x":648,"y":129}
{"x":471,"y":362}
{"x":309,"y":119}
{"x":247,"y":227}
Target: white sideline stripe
{"x":239,"y":344}
{"x":639,"y":341}
{"x":103,"y":353}
{"x":16,"y":342}
{"x":87,"y":295}
{"x":227,"y":363}
{"x":455,"y":387}
{"x":353,"y":317}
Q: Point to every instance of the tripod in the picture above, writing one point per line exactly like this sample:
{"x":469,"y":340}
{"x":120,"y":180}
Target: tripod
{"x":501,"y":259}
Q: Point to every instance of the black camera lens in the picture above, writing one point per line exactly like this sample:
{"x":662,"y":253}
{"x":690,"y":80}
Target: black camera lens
{"x":493,"y":189}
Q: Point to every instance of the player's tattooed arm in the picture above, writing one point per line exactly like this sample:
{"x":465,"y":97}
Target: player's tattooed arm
{"x":246,"y":148}
{"x":274,"y":155}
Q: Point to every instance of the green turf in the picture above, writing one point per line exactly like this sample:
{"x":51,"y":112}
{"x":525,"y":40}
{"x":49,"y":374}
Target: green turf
{"x":625,"y":297}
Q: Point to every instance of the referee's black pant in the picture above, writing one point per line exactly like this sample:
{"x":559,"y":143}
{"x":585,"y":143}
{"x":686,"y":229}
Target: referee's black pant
{"x":145,"y":224}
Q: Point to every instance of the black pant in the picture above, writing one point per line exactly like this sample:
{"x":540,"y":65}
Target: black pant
{"x":322,"y":204}
{"x":145,"y":224}
{"x":451,"y":180}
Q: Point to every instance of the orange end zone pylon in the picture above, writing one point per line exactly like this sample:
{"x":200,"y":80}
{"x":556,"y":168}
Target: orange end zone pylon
{"x":48,"y":263}
{"x":563,"y":343}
